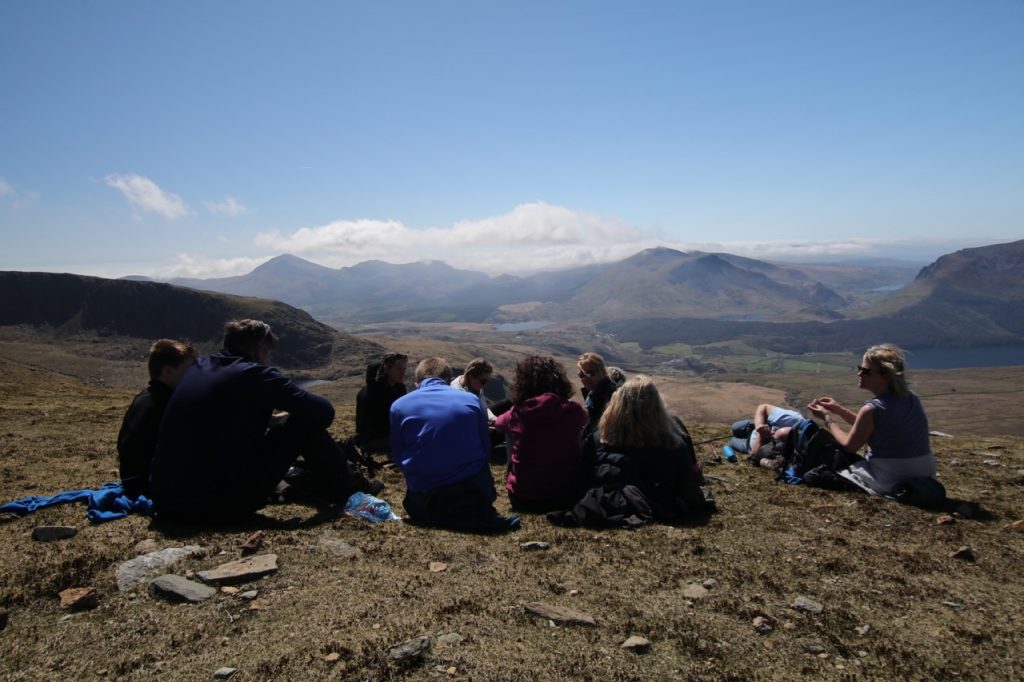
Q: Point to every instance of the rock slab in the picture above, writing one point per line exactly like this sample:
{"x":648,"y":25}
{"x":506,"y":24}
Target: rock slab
{"x":560,"y":614}
{"x":51,"y":533}
{"x":241,"y":570}
{"x":534,"y":546}
{"x":807,"y":605}
{"x":178,"y":589}
{"x":409,"y":649}
{"x":132,"y":573}
{"x":695,"y":591}
{"x":637,"y":643}
{"x":79,"y":598}
{"x":224,"y":673}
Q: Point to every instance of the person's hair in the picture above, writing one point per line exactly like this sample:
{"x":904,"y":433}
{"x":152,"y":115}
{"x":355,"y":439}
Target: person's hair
{"x":168,"y":353}
{"x":536,"y":375}
{"x":244,"y":337}
{"x":433,"y":367}
{"x":380,"y":369}
{"x":888,"y":359}
{"x":478,"y":367}
{"x":636,"y":417}
{"x":592,"y":363}
{"x":617,"y":376}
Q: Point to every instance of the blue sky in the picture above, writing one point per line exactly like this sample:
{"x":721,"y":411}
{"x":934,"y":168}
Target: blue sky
{"x":201,"y":138}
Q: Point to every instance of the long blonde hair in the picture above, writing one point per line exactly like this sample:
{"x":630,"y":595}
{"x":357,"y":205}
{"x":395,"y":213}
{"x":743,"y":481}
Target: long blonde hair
{"x":636,"y":417}
{"x":888,"y":358}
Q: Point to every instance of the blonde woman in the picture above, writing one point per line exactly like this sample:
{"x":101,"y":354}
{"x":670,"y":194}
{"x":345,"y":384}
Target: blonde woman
{"x":645,"y":470}
{"x":892,"y":424}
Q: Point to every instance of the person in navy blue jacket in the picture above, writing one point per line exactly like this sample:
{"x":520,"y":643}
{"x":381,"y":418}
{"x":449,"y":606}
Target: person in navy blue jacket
{"x":233,"y":427}
{"x":440,"y":441}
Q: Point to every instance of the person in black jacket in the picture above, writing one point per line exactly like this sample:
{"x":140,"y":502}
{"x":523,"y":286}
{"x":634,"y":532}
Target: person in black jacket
{"x":232,"y":429}
{"x":136,"y":441}
{"x":644,"y":470}
{"x":384,"y":385}
{"x":597,"y":388}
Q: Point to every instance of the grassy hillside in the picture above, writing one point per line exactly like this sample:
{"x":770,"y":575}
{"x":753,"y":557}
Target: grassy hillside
{"x":895,"y":605}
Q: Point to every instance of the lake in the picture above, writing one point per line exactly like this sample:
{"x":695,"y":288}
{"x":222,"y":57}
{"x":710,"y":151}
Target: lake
{"x":952,"y":358}
{"x":522,"y":326}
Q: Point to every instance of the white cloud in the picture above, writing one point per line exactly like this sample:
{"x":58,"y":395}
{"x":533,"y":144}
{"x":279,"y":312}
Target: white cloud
{"x":146,"y":195}
{"x":190,"y":265}
{"x":229,"y":207}
{"x":5,"y":189}
{"x":529,"y":237}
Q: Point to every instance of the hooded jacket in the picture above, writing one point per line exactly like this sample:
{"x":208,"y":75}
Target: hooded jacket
{"x":545,"y":461}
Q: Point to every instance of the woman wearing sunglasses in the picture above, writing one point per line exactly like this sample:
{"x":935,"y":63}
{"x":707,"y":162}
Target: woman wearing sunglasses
{"x":892,"y":424}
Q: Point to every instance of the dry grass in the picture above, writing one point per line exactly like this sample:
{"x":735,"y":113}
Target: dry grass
{"x":868,"y":561}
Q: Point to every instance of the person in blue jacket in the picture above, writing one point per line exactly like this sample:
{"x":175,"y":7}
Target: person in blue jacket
{"x":440,"y":441}
{"x":232,"y":429}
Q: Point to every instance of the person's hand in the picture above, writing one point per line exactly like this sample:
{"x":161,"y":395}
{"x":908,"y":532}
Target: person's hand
{"x":817,"y":409}
{"x":827,"y":403}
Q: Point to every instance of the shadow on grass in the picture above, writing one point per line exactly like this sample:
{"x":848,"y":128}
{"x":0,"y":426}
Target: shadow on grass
{"x":179,"y":528}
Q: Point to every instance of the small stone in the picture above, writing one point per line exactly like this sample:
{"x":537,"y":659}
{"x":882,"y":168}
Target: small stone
{"x":228,"y":589}
{"x":332,"y":657}
{"x":964,"y":552}
{"x":863,"y":630}
{"x":862,"y":653}
{"x":762,"y":625}
{"x":992,"y":463}
{"x":438,"y":566}
{"x":224,"y":673}
{"x":812,"y":647}
{"x":409,"y":649}
{"x":249,"y":595}
{"x":789,"y":625}
{"x":823,"y":655}
{"x":1016,"y":526}
{"x":452,"y":670}
{"x":224,"y":641}
{"x":132,"y":573}
{"x":574,"y":593}
{"x":450,"y":639}
{"x":560,"y":614}
{"x":79,"y":598}
{"x":241,"y":570}
{"x":807,"y":605}
{"x":637,"y":643}
{"x":340,"y":549}
{"x":940,"y":434}
{"x":253,"y":543}
{"x":51,"y":533}
{"x":376,"y":626}
{"x":695,"y":591}
{"x":945,"y":520}
{"x":146,"y":546}
{"x":534,"y":546}
{"x":710,"y":584}
{"x":256,"y":605}
{"x":178,"y":589}
{"x":955,"y":462}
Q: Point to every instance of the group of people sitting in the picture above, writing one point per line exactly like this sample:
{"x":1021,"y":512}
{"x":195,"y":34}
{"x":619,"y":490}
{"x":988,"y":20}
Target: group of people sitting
{"x":211,"y":438}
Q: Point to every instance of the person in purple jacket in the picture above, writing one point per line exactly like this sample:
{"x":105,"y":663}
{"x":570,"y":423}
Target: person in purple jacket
{"x":233,"y":427}
{"x":543,"y":428}
{"x":893,"y":425}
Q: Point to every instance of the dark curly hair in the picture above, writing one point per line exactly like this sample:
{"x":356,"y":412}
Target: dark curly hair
{"x":536,"y":375}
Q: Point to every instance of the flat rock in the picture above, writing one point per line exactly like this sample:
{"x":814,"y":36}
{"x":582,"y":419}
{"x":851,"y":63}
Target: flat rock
{"x":132,"y":573}
{"x":340,"y":549}
{"x":637,"y":643}
{"x":560,"y":614}
{"x":409,"y":649}
{"x":1016,"y":526}
{"x":438,"y":566}
{"x":178,"y":589}
{"x":695,"y":591}
{"x":249,"y":595}
{"x":51,"y":533}
{"x":807,"y":605}
{"x":810,"y":646}
{"x":534,"y":546}
{"x":709,"y":584}
{"x":79,"y":598}
{"x":224,"y":673}
{"x":965,"y":553}
{"x":241,"y":570}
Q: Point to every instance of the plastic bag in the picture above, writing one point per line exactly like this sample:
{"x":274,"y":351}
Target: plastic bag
{"x":371,"y":508}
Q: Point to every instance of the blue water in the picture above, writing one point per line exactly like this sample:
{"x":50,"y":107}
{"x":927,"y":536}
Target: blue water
{"x":522,"y":326}
{"x":979,"y":356}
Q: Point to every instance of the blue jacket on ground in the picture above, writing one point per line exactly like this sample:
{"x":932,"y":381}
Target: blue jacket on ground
{"x":215,"y":424}
{"x":439,"y":435}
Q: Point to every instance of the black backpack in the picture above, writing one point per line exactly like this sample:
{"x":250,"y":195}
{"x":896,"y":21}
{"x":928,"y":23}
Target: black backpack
{"x":813,"y":455}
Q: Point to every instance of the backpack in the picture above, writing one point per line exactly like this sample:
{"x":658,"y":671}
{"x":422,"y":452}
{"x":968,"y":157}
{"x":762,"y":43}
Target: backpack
{"x":813,"y":455}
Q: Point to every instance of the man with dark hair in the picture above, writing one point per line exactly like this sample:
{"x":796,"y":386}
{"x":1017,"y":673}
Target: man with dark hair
{"x":385,"y":383}
{"x":136,"y":441}
{"x":233,"y":428}
{"x":440,"y":441}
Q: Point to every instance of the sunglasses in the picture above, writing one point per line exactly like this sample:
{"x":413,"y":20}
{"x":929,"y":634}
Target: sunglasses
{"x":864,"y":371}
